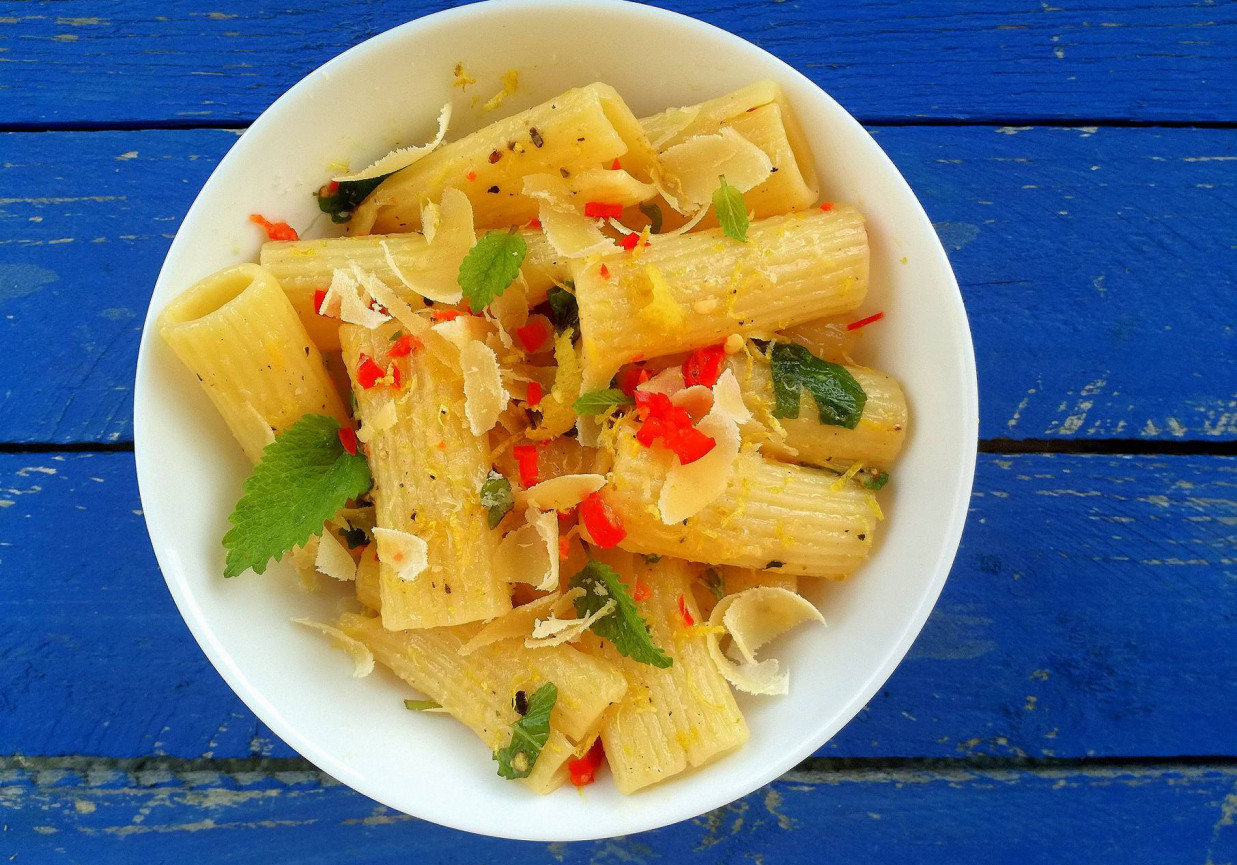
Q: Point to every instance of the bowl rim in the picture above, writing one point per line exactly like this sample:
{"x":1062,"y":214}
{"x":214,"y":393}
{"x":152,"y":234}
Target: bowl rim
{"x":966,"y":455}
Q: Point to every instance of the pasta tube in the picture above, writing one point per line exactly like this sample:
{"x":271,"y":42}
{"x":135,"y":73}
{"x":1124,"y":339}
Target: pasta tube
{"x":695,"y":289}
{"x":428,"y":468}
{"x":237,"y":331}
{"x":588,"y":127}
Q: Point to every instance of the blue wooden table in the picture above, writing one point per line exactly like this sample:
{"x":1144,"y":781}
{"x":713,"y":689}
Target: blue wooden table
{"x":1073,"y":697}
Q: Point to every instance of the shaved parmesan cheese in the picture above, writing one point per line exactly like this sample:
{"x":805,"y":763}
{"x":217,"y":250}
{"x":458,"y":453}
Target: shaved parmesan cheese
{"x":754,"y":618}
{"x":671,"y":122}
{"x":343,"y":299}
{"x":516,"y":624}
{"x":333,"y":560}
{"x":530,"y":553}
{"x":662,"y":310}
{"x":594,"y":184}
{"x":431,"y":218}
{"x":563,"y":492}
{"x":553,"y":631}
{"x":362,"y":657}
{"x":573,"y":235}
{"x":689,"y":225}
{"x":729,"y":399}
{"x":696,"y":400}
{"x":484,"y":394}
{"x":690,"y":488}
{"x":449,"y":232}
{"x":382,"y":421}
{"x":403,"y":157}
{"x":403,"y":551}
{"x":698,"y":162}
{"x":462,"y":330}
{"x":669,"y":381}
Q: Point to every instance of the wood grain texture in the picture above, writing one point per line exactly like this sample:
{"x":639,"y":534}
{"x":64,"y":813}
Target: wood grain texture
{"x":1090,"y":613}
{"x":184,"y":63}
{"x":83,"y":814}
{"x":1098,"y":268}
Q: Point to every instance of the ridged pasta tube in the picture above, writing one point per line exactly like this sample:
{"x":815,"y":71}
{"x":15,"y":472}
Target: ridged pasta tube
{"x":696,"y":289}
{"x":237,"y":331}
{"x":428,"y":468}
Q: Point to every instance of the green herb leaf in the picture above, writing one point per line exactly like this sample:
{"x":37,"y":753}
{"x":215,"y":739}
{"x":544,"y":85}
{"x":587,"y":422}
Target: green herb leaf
{"x":714,"y":583}
{"x":354,"y":537}
{"x":839,"y":398}
{"x":564,"y":311}
{"x":496,"y":497}
{"x":347,"y":195}
{"x":731,"y":211}
{"x":623,"y":627}
{"x":304,"y":477}
{"x":876,"y":481}
{"x":595,"y":402}
{"x":651,"y":558}
{"x":421,"y":705}
{"x":528,"y":735}
{"x":774,"y":563}
{"x":396,"y":335}
{"x":653,"y":212}
{"x":490,"y":267}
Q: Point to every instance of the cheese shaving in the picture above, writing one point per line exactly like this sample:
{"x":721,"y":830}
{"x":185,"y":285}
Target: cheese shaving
{"x":754,"y":618}
{"x":689,"y":489}
{"x":671,"y":122}
{"x":516,"y":624}
{"x":573,"y":235}
{"x":484,"y":394}
{"x":563,"y":492}
{"x":553,"y":631}
{"x":593,"y":184}
{"x":530,"y":553}
{"x":403,"y":551}
{"x":404,"y":156}
{"x":382,"y":421}
{"x":669,"y":381}
{"x":431,"y":218}
{"x":362,"y":657}
{"x":698,"y":162}
{"x":687,"y":226}
{"x":729,"y":398}
{"x":450,"y":233}
{"x":333,"y":560}
{"x":696,"y":400}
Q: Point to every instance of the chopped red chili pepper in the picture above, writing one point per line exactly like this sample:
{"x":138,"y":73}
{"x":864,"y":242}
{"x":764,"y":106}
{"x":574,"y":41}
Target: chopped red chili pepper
{"x":533,"y":334}
{"x":604,"y":271}
{"x":445,"y":314}
{"x":602,"y":210}
{"x":397,"y":377}
{"x":690,"y":444}
{"x":650,"y":431}
{"x":615,"y":165}
{"x":534,"y":223}
{"x":404,"y":346}
{"x":685,"y":613}
{"x":631,"y":378}
{"x":583,"y":771}
{"x":527,"y":457}
{"x":347,"y":438}
{"x":661,"y":419}
{"x":367,"y":372}
{"x":601,"y":522}
{"x":566,"y":516}
{"x":472,"y":175}
{"x":534,"y":394}
{"x":630,"y":241}
{"x":274,"y":230}
{"x":641,"y":592}
{"x":564,"y":548}
{"x":827,"y":206}
{"x":864,"y":322}
{"x":319,"y":296}
{"x":332,"y":187}
{"x":704,"y":365}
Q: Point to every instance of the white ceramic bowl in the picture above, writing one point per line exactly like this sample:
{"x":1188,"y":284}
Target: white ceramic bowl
{"x":389,"y":90}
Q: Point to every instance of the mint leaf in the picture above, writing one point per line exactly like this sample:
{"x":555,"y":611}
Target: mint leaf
{"x":623,"y":627}
{"x":354,"y":537}
{"x":347,"y":195}
{"x":731,"y":211}
{"x":528,"y":735}
{"x":304,"y":477}
{"x":714,"y":583}
{"x":876,"y":481}
{"x":496,"y":497}
{"x":564,"y":311}
{"x":421,"y":705}
{"x":653,"y":212}
{"x":594,"y":402}
{"x":490,"y":267}
{"x":839,"y":398}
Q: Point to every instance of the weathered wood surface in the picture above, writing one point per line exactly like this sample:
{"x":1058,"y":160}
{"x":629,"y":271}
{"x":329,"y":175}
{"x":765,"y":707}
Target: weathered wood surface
{"x":1090,"y":613}
{"x":1098,"y":268}
{"x":74,"y":62}
{"x":91,"y":815}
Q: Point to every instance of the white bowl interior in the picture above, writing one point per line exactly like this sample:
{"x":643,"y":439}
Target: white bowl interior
{"x":386,"y":92}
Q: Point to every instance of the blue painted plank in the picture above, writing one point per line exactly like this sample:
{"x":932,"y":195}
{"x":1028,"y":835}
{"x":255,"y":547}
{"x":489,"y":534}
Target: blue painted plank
{"x":1090,"y":613}
{"x":73,"y":61}
{"x":89,"y":815}
{"x":1098,"y":269}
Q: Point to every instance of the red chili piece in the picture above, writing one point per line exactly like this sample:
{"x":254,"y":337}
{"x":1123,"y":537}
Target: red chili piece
{"x":397,"y":377}
{"x":630,"y":241}
{"x":602,"y":210}
{"x":864,"y":322}
{"x":274,"y":230}
{"x":661,"y":419}
{"x":641,"y":592}
{"x":534,"y":394}
{"x":367,"y":372}
{"x":445,"y":314}
{"x":534,"y":223}
{"x":704,"y":366}
{"x":583,"y":770}
{"x":827,"y":206}
{"x":601,"y":522}
{"x":526,"y":457}
{"x":404,"y":346}
{"x":319,"y":296}
{"x":604,"y":271}
{"x":347,"y":438}
{"x":615,"y":165}
{"x":685,"y":613}
{"x":631,"y":378}
{"x":532,"y":335}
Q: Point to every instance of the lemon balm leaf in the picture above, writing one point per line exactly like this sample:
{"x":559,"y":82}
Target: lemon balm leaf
{"x":496,"y":497}
{"x":304,"y":477}
{"x":490,"y":267}
{"x":731,"y":211}
{"x":339,"y":200}
{"x":528,"y":735}
{"x":624,"y":628}
{"x":839,"y":398}
{"x":595,"y":402}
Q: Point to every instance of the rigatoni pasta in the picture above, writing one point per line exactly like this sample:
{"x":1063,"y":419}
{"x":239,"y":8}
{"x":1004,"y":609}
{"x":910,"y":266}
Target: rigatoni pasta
{"x":573,"y":409}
